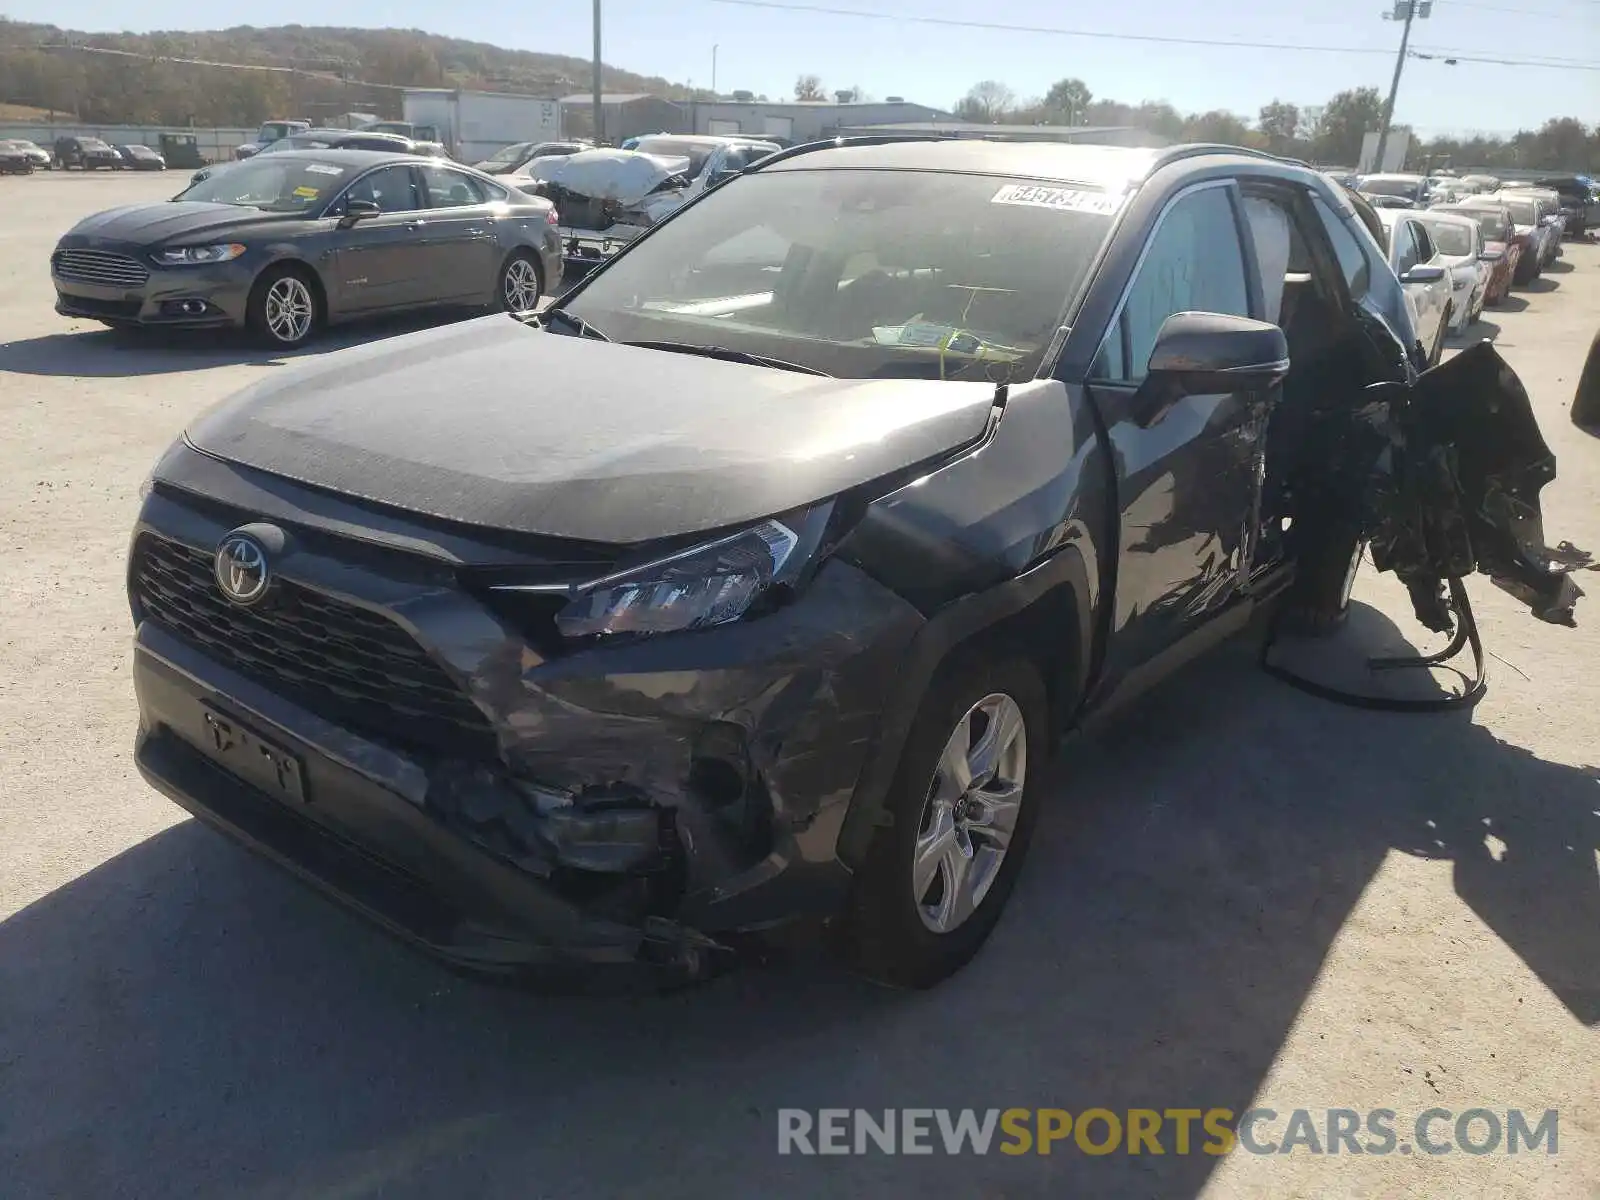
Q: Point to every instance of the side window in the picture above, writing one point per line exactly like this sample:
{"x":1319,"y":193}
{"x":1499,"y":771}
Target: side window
{"x":1405,"y":247}
{"x":1194,"y":263}
{"x":1425,"y":250}
{"x":392,"y":189}
{"x":451,"y":189}
{"x":1353,"y":260}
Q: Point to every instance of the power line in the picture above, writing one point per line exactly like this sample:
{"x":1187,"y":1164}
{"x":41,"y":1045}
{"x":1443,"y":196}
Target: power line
{"x":1521,"y":12}
{"x":800,"y":6}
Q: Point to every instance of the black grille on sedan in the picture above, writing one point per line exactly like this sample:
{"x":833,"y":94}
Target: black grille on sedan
{"x":104,"y":268}
{"x":348,"y":665}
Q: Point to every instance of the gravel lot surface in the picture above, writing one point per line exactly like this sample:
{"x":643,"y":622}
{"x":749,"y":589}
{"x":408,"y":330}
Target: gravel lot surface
{"x":1239,"y":896}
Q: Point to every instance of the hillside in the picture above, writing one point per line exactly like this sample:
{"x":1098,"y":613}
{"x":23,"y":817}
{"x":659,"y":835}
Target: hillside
{"x":165,"y":77}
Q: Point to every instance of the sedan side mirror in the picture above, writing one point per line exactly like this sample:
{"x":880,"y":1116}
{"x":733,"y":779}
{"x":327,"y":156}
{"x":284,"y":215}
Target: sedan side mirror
{"x":1201,"y":353}
{"x":1492,"y":256}
{"x":358,"y":210}
{"x":1422,"y":273}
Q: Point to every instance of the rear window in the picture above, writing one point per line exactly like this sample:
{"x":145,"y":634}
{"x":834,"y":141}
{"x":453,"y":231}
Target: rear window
{"x":1491,"y":225}
{"x":1450,"y":239}
{"x":1523,"y":212}
{"x":1391,"y":187}
{"x":677,"y":148}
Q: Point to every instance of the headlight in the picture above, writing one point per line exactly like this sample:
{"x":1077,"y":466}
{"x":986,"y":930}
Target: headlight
{"x":706,"y":585}
{"x":191,"y":256}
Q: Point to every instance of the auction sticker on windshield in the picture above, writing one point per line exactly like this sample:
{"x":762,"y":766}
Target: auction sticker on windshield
{"x":1068,"y":199}
{"x":323,"y":169}
{"x":306,"y":193}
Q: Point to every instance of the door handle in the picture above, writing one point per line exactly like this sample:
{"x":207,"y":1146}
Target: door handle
{"x":415,"y":224}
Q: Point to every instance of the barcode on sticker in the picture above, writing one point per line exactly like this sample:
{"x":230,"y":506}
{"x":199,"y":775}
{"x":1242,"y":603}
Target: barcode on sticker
{"x":1068,"y":199}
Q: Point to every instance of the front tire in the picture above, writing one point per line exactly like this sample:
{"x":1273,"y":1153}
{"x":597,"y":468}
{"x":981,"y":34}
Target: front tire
{"x":284,"y":309}
{"x":963,"y":807}
{"x":520,"y":284}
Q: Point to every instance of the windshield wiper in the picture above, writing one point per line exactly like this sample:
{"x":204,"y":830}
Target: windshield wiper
{"x":573,"y":322}
{"x":729,"y":355}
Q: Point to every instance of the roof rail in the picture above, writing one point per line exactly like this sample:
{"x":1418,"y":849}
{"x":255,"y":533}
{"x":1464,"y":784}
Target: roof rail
{"x":865,"y":139}
{"x":1174,"y":154}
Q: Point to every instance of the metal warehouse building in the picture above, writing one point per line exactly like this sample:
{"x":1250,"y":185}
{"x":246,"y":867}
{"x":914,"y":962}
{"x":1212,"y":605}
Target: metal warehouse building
{"x":626,"y":115}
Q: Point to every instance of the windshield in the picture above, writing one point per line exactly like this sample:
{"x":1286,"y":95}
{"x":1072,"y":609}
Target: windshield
{"x":1402,"y":188}
{"x":677,"y":148}
{"x":511,"y":155}
{"x":273,"y":130}
{"x":1453,"y":240}
{"x":861,"y":273}
{"x":93,"y":144}
{"x":276,"y":185}
{"x":1523,"y":212}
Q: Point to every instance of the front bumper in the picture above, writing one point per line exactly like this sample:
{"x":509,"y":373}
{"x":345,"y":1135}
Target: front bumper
{"x":636,"y":805}
{"x":202,"y":297}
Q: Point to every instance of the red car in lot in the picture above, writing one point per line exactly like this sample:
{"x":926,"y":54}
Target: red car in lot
{"x":1503,"y":246}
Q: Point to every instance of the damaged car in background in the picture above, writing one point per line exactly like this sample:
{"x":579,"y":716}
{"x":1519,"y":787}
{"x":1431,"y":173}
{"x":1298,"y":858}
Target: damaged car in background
{"x":607,"y":198}
{"x":757,"y":579}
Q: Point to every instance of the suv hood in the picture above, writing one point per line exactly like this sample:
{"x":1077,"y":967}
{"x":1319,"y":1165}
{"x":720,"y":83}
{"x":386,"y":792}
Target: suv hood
{"x":626,"y":176}
{"x":492,"y":423}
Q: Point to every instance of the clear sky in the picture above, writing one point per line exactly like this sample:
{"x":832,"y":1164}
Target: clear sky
{"x":765,"y":49}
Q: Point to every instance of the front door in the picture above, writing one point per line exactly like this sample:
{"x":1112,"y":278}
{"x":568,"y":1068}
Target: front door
{"x":1188,"y":483}
{"x":381,"y":262}
{"x":463,"y":255}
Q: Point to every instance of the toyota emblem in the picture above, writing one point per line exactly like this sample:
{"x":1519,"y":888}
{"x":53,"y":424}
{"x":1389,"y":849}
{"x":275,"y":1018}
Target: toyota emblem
{"x":242,"y":571}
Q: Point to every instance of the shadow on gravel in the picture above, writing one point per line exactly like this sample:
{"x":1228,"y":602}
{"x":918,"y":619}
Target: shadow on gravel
{"x":1542,"y":285}
{"x":184,"y":1020}
{"x":113,"y":354}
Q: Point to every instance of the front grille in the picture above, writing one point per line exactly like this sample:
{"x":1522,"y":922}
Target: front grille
{"x":104,"y":268}
{"x":350,"y":666}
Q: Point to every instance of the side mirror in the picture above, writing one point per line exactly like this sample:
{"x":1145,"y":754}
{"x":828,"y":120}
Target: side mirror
{"x":1492,"y":256}
{"x":1422,"y":273}
{"x":357,"y":210}
{"x":1200,"y":353}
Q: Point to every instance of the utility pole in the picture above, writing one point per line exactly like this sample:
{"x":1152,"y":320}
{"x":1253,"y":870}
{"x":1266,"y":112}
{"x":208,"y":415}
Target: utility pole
{"x":599,"y":102}
{"x":713,"y":68}
{"x":1405,"y":10}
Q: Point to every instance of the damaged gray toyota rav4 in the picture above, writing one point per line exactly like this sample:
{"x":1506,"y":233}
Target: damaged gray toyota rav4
{"x":757,"y":579}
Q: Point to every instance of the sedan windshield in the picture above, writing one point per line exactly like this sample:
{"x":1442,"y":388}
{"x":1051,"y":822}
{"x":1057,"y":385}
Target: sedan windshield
{"x":861,"y":273}
{"x":511,"y":155}
{"x":274,"y":184}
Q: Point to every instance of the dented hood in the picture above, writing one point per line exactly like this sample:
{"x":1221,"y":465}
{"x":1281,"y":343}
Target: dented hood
{"x":492,"y":423}
{"x":626,"y":176}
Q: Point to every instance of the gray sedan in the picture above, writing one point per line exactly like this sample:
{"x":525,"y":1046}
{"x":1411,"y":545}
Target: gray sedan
{"x":286,"y":243}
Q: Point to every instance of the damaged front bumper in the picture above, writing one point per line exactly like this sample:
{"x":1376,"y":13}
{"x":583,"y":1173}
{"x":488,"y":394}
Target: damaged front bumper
{"x":629,"y":805}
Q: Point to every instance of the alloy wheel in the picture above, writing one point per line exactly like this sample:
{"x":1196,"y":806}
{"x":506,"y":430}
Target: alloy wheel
{"x":289,"y":310}
{"x":971,"y":813}
{"x":521,"y":286}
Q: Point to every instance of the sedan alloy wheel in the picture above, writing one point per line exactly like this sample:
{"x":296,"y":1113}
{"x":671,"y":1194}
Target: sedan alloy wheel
{"x":520,"y":285}
{"x":290,"y":310}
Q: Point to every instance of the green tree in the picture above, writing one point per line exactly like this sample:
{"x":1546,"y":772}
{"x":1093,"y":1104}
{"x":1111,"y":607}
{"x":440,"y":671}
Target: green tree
{"x":1345,"y":119}
{"x":1224,"y":128}
{"x":1067,"y":100}
{"x":1280,"y":123}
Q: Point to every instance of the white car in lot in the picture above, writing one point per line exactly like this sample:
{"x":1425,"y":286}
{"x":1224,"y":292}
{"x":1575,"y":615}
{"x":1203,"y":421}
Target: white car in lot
{"x":1418,"y":263}
{"x":1460,"y":247}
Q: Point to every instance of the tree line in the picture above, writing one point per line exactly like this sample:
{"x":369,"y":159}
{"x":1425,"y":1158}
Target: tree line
{"x":1329,"y":134}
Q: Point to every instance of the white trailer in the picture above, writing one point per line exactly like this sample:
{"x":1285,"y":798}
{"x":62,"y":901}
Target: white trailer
{"x":473,"y":125}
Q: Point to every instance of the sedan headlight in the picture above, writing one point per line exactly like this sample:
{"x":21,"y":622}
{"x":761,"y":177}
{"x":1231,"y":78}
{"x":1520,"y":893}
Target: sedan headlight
{"x":193,"y":256}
